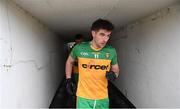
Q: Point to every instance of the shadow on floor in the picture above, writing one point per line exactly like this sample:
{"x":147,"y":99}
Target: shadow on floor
{"x":116,"y":98}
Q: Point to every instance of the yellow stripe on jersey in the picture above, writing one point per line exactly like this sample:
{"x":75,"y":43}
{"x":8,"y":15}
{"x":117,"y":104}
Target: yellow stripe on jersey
{"x":92,"y":81}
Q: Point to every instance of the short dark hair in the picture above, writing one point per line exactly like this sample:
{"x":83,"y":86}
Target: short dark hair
{"x":78,"y":36}
{"x":102,"y":24}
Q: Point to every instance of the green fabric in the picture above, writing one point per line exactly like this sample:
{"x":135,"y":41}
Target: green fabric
{"x":84,"y":50}
{"x":83,"y":103}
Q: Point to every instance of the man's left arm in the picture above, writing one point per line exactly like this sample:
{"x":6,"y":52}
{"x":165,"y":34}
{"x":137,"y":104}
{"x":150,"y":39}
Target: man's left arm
{"x":113,"y":73}
{"x":114,"y":70}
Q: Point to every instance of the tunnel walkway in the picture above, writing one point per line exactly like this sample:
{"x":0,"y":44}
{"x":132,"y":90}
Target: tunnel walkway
{"x":63,"y":100}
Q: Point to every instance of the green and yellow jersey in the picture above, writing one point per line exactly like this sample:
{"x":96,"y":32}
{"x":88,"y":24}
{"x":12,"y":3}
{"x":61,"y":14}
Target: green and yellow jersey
{"x":92,"y":67}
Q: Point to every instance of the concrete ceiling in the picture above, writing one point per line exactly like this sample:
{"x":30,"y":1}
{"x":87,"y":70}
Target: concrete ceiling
{"x":68,"y":17}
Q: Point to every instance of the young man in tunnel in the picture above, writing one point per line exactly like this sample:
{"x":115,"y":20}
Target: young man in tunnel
{"x":97,"y":63}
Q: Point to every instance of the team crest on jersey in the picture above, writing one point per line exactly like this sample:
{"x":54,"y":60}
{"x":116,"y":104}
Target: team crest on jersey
{"x":107,"y":55}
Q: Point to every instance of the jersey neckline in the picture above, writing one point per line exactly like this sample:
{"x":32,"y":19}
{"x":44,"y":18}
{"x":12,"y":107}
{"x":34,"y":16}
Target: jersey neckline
{"x":94,"y":49}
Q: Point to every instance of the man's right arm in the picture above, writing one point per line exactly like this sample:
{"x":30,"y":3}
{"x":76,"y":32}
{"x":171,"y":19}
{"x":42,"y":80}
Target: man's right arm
{"x":69,"y":65}
{"x":70,"y":87}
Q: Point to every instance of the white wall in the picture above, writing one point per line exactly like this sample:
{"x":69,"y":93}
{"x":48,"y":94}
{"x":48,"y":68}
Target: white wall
{"x":30,"y":56}
{"x":149,"y":57}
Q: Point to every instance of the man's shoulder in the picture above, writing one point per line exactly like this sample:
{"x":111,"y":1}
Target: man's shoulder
{"x":109,"y":47}
{"x":83,"y":44}
{"x":110,"y":51}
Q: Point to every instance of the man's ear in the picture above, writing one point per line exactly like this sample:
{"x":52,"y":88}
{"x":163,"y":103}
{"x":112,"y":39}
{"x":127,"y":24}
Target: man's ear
{"x":93,"y":33}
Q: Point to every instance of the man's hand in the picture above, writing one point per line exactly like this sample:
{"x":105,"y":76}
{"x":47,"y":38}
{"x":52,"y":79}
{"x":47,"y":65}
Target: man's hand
{"x":70,"y":86}
{"x":111,"y":76}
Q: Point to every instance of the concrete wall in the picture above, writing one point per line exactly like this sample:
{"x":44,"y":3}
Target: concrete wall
{"x":149,"y":56}
{"x":30,"y":56}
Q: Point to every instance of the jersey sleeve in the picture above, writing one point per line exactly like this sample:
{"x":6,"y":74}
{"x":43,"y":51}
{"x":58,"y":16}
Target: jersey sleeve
{"x":114,"y":59}
{"x":73,"y":53}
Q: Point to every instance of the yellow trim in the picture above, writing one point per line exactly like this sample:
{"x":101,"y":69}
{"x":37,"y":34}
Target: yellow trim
{"x":96,"y":49}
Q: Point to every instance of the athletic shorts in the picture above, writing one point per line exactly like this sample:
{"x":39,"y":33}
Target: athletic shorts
{"x":83,"y":103}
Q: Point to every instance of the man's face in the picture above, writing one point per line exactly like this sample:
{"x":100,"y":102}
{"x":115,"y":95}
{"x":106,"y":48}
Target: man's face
{"x":101,"y":37}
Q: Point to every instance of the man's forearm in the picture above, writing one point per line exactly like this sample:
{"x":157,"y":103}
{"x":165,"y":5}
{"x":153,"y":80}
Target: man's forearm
{"x":116,"y":70}
{"x":69,"y":66}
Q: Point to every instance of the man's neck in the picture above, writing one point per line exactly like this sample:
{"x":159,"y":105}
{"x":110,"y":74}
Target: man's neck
{"x":94,"y":46}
